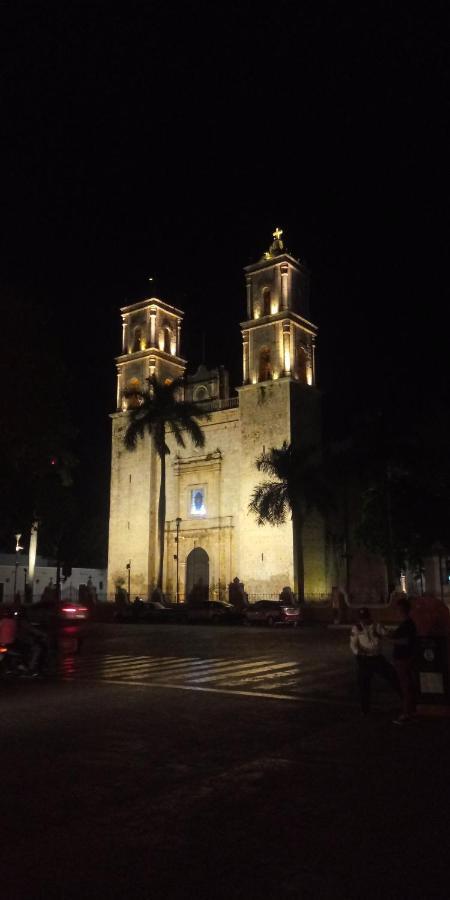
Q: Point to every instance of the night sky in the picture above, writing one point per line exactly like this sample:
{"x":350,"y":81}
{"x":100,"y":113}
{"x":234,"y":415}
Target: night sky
{"x":154,"y":141}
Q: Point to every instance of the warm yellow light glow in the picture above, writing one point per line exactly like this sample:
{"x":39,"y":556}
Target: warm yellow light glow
{"x":277,"y":234}
{"x":274,"y":307}
{"x":287,"y":360}
{"x":275,"y":375}
{"x":309,"y":375}
{"x":254,"y":379}
{"x":161,"y":340}
{"x":256,"y":313}
{"x":143,"y":343}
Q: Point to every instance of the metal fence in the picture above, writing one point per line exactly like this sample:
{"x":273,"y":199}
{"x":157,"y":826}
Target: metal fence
{"x":213,"y":405}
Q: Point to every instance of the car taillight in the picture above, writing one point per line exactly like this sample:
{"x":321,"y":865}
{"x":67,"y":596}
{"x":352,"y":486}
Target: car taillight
{"x":3,"y":649}
{"x":69,"y":609}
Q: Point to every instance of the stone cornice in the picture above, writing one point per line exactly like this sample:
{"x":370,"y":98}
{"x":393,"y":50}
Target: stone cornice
{"x":151,"y":351}
{"x":152,"y":301}
{"x":210,"y":460}
{"x":282,"y":315}
{"x":274,"y":261}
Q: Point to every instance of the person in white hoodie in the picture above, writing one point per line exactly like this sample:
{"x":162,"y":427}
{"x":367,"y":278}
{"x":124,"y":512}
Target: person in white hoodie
{"x":365,"y":644}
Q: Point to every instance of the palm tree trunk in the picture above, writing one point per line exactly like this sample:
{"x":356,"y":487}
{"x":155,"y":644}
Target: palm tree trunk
{"x":299,"y":569}
{"x":162,"y":518}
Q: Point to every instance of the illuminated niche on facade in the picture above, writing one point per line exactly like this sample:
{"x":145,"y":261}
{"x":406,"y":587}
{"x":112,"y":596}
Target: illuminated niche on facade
{"x":197,"y":502}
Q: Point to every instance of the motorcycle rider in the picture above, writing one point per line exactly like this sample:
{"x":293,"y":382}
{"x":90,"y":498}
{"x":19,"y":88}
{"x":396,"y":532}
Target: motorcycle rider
{"x":32,"y":643}
{"x":8,"y":628}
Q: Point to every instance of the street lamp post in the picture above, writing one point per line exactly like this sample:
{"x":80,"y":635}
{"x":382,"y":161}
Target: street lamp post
{"x":18,"y":549}
{"x":129,"y":578}
{"x":177,"y":539}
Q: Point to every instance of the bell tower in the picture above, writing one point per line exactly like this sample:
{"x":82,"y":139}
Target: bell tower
{"x":278,"y":337}
{"x":151,"y":331}
{"x":278,"y":402}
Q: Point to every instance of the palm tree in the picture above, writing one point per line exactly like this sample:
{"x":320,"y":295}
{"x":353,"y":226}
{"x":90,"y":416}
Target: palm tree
{"x":155,"y":409}
{"x":297,"y":486}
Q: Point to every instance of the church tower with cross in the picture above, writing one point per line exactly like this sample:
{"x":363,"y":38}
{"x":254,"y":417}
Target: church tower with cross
{"x":278,"y":401}
{"x":210,"y":535}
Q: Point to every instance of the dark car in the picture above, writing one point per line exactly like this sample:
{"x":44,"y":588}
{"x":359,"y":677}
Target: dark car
{"x":154,"y":611}
{"x":213,"y":611}
{"x":272,"y":612}
{"x":62,"y":620}
{"x":48,"y":613}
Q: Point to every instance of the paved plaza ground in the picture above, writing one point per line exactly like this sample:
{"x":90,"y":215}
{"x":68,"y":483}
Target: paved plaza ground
{"x":190,"y":761}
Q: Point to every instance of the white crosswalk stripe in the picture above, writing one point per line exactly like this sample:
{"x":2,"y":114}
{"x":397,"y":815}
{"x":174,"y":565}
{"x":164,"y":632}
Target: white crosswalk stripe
{"x":265,"y":675}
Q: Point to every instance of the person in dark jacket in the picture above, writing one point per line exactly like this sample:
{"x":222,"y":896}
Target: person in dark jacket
{"x":404,"y":657}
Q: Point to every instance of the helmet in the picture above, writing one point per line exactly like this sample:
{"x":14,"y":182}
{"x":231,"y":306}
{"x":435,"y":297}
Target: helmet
{"x":364,"y":613}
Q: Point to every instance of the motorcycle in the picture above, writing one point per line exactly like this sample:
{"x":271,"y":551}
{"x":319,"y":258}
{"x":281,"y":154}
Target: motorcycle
{"x":12,"y":662}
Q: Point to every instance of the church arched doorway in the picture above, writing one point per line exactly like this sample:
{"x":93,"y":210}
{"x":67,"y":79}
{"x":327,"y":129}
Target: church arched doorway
{"x":197,"y":575}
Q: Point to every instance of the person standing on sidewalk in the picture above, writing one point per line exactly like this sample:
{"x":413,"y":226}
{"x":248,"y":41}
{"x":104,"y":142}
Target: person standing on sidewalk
{"x":365,"y":644}
{"x":404,"y":656}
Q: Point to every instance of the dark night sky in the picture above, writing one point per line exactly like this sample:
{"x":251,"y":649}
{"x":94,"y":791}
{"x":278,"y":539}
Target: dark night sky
{"x":154,"y":141}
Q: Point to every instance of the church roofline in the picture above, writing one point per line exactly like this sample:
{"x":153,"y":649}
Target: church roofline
{"x":149,"y":301}
{"x":151,"y":351}
{"x":280,"y":317}
{"x":273,"y":261}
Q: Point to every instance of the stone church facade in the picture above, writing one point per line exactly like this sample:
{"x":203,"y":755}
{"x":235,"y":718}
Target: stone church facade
{"x":209,"y":489}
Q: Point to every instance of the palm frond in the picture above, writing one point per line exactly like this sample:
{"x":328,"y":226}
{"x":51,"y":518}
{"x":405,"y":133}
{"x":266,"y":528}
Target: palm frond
{"x":135,"y":430}
{"x":192,"y":427}
{"x":178,"y":434}
{"x":269,"y":502}
{"x":300,"y":471}
{"x":159,"y":408}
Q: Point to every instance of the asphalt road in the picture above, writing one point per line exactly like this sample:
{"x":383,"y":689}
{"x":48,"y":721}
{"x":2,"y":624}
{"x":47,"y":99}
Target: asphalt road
{"x":191,"y":761}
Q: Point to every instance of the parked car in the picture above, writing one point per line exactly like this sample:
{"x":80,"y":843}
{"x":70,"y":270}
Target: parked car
{"x":214,"y":611}
{"x":272,"y":612}
{"x":154,"y":611}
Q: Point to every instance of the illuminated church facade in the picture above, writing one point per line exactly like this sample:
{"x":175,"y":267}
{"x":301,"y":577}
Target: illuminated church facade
{"x":209,"y":489}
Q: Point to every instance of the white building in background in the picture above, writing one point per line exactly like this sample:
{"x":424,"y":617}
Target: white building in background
{"x":14,"y":571}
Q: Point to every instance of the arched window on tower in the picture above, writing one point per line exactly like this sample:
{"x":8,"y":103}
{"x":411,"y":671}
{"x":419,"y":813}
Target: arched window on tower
{"x":165,"y":339}
{"x":266,"y":301}
{"x":137,"y":339}
{"x":301,"y":365}
{"x":200,"y":394}
{"x":265,"y":365}
{"x":132,"y":397}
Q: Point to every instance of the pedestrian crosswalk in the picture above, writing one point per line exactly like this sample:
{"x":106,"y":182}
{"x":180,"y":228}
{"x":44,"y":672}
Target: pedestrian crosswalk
{"x":261,"y":675}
